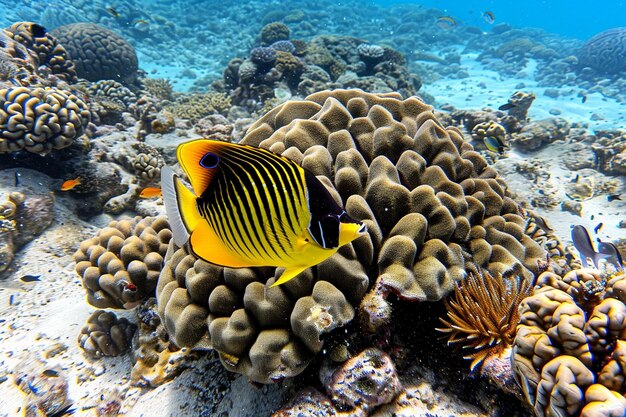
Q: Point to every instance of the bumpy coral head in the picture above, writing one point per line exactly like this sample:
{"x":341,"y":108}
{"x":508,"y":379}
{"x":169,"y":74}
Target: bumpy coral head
{"x":431,"y":204}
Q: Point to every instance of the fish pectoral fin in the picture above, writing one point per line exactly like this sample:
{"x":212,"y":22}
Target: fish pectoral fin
{"x":288,"y":274}
{"x":206,"y":244}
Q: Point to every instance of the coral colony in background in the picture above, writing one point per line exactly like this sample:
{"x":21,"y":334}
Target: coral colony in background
{"x":457,"y":279}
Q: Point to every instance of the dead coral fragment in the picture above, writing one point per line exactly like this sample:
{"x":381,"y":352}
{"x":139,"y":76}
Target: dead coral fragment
{"x":106,"y":335}
{"x":482,"y":314}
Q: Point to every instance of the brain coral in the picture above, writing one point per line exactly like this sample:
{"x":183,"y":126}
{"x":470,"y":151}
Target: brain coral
{"x":121,"y":264}
{"x":431,"y":205}
{"x":605,"y":52}
{"x":99,"y":53}
{"x":570,"y":348}
{"x":45,"y":48}
{"x":40,"y":119}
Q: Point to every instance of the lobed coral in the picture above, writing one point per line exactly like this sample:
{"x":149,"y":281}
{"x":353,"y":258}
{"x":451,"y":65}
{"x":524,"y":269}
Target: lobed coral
{"x":40,"y":120}
{"x":605,"y":52}
{"x":121,"y":264}
{"x":569,"y":348}
{"x":106,"y":335}
{"x":431,"y":204}
{"x":196,"y":106}
{"x":98,"y":53}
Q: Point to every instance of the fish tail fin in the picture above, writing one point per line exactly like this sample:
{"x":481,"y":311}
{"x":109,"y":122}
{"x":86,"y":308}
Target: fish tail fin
{"x":180,"y":206}
{"x":288,"y":274}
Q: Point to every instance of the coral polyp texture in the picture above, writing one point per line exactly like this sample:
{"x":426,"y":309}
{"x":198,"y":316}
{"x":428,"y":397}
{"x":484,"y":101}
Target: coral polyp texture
{"x":431,"y":204}
{"x":98,"y":53}
{"x":568,"y":354}
{"x":121,"y":264}
{"x":605,"y":52}
{"x":44,"y":48}
{"x":106,"y":335}
{"x":40,"y":120}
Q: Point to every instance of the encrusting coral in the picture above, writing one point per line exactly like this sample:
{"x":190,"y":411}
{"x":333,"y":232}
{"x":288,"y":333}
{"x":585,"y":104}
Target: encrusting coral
{"x":432,"y":207}
{"x":121,"y":264}
{"x":568,"y":354}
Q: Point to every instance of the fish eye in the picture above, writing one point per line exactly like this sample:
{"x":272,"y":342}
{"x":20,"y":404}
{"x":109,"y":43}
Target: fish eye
{"x":209,"y":160}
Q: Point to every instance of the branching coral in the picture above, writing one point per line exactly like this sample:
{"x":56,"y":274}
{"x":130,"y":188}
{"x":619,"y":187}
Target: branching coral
{"x":483,"y":315}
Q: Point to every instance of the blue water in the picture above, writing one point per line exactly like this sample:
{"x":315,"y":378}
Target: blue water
{"x":577,"y":19}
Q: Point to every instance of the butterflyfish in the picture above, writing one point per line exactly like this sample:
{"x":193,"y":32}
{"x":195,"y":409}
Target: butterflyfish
{"x":446,"y":23}
{"x":251,"y":207}
{"x":150,"y":192}
{"x":495,"y":144}
{"x":70,"y":184}
{"x":489,"y":17}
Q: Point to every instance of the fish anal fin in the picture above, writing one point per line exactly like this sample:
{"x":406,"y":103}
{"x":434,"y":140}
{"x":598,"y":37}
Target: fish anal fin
{"x":206,"y":244}
{"x":288,"y":274}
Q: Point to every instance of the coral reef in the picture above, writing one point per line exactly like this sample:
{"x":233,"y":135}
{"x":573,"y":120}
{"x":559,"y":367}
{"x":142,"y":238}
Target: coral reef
{"x":98,"y":53}
{"x":22,"y":218}
{"x":567,"y":354}
{"x":518,"y":105}
{"x":605,"y":52}
{"x":196,"y":106}
{"x":274,"y":32}
{"x":106,"y":335}
{"x":121,"y":264}
{"x":431,"y":204}
{"x":40,"y":120}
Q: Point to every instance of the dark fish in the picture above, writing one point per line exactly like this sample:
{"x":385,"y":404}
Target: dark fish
{"x":113,"y":12}
{"x":614,"y":197}
{"x":583,"y":99}
{"x":576,"y":178}
{"x":582,"y":242}
{"x":598,"y":227}
{"x":30,"y":278}
{"x":592,"y":217}
{"x":17,"y":178}
{"x":50,"y":373}
{"x":613,"y":255}
{"x":541,"y":222}
{"x":252,"y":207}
{"x":489,"y":17}
{"x":506,"y":106}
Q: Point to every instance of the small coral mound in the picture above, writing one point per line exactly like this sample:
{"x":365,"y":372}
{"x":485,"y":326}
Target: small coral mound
{"x":274,"y":32}
{"x":605,"y":52}
{"x":40,"y":120}
{"x":98,"y":53}
{"x":482,"y":314}
{"x":121,"y":264}
{"x":568,"y":354}
{"x":45,"y":47}
{"x":106,"y":335}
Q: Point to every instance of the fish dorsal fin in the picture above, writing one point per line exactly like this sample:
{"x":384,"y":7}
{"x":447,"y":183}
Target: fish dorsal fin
{"x":190,"y":154}
{"x":289,"y":273}
{"x":180,"y":206}
{"x":206,"y":244}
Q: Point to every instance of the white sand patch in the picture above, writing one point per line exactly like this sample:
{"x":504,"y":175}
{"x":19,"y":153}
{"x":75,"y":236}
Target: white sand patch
{"x":487,"y":88}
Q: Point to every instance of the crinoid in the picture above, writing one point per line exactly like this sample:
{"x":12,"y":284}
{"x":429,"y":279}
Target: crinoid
{"x":483,"y":313}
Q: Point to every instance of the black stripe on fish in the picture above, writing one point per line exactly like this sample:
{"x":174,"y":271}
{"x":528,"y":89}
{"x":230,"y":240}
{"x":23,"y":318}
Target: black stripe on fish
{"x":325,"y":213}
